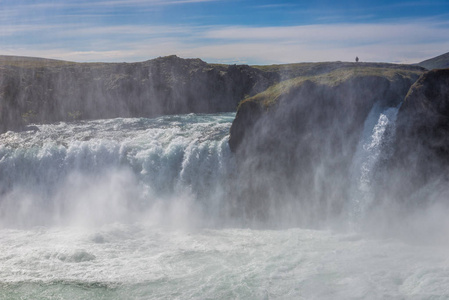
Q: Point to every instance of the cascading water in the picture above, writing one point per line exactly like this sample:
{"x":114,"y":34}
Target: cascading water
{"x":112,"y":170}
{"x":372,"y":144}
{"x":138,"y":209}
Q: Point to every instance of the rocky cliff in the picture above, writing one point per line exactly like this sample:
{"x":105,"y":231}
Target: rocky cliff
{"x":417,"y":171}
{"x":300,"y":137}
{"x":350,"y":89}
{"x":42,"y":91}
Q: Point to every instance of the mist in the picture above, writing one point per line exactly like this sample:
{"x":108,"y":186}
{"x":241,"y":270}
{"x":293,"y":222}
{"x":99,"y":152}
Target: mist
{"x":328,"y":183}
{"x":93,"y":173}
{"x":322,"y":156}
{"x":335,"y":157}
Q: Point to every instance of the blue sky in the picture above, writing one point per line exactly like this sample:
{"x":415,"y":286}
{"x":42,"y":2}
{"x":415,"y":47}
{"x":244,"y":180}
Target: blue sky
{"x":226,"y":31}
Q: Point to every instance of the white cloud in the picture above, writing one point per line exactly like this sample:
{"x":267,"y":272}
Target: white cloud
{"x":119,"y":31}
{"x":21,"y":7}
{"x":392,"y":42}
{"x":354,"y":33}
{"x":147,"y":2}
{"x":13,"y":30}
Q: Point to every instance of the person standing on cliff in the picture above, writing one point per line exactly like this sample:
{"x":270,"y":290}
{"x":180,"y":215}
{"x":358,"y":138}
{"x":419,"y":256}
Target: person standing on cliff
{"x":356,"y":59}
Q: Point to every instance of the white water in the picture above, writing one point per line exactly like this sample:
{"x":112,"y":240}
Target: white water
{"x":115,"y":170}
{"x":367,"y":155}
{"x":137,"y":262}
{"x":128,"y":209}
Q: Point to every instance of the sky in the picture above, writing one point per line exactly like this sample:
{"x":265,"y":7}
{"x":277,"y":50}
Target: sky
{"x":226,"y":31}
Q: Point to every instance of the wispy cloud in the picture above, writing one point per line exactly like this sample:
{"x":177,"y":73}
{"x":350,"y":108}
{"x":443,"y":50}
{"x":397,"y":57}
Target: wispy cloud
{"x":90,"y":31}
{"x":147,"y":2}
{"x":73,"y":4}
{"x":341,"y":33}
{"x":402,"y":42}
{"x":19,"y":12}
{"x":278,"y":5}
{"x":20,"y":29}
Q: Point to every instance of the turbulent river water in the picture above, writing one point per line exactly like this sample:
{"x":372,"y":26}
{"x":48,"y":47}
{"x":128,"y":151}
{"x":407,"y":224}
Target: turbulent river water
{"x":138,"y":209}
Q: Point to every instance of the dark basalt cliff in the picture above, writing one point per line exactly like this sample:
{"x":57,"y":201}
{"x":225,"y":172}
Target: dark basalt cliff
{"x":300,"y":137}
{"x":347,"y":92}
{"x":419,"y":159}
{"x":423,"y":118}
{"x":43,"y":91}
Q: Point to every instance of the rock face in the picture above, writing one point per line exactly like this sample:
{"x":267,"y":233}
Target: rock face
{"x":424,"y":116}
{"x":42,"y":91}
{"x":300,"y":137}
{"x":356,"y":88}
{"x":421,"y":149}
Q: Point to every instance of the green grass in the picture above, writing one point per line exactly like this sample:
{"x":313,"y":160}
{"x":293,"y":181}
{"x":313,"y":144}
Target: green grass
{"x":31,"y":62}
{"x":35,"y":62}
{"x":332,"y":78}
{"x":312,"y":69}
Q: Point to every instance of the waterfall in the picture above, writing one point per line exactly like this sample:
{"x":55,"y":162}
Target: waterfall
{"x":372,"y":144}
{"x":113,"y":170}
{"x":120,"y":209}
{"x":167,"y":169}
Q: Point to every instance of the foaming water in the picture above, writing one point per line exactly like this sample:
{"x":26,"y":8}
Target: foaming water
{"x":113,"y":170}
{"x":120,"y":261}
{"x":140,"y":209}
{"x":367,"y":155}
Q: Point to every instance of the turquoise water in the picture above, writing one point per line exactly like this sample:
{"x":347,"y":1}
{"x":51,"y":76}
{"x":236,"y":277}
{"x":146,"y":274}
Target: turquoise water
{"x":104,"y":171}
{"x":138,"y":209}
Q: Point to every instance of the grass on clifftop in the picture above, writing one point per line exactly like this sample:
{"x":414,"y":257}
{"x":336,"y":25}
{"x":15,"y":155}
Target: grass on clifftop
{"x":313,"y":69}
{"x":31,"y":62}
{"x":333,"y":78}
{"x":37,"y":62}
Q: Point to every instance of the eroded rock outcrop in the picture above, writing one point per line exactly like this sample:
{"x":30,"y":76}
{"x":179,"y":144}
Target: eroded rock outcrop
{"x":419,"y":162}
{"x":300,"y":138}
{"x":342,"y":90}
{"x":423,"y":120}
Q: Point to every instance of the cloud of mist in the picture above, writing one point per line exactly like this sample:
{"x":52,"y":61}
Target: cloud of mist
{"x":87,"y":199}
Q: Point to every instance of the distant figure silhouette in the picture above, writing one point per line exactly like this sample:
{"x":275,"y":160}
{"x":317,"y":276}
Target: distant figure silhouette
{"x":356,"y":59}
